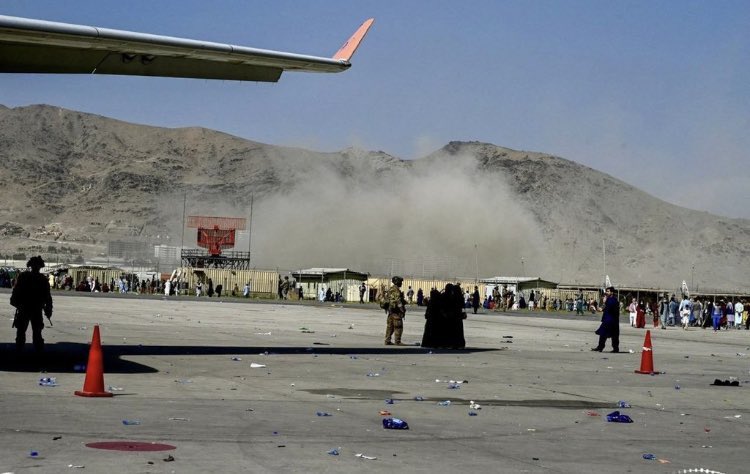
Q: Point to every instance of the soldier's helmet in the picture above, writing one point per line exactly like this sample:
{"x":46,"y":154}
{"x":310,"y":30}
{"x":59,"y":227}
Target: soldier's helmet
{"x":397,"y":280}
{"x":35,"y":262}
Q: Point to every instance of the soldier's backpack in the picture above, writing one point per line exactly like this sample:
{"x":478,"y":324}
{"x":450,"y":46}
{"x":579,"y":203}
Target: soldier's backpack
{"x":382,"y":299}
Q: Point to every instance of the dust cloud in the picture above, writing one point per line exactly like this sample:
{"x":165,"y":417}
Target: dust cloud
{"x":435,"y":217}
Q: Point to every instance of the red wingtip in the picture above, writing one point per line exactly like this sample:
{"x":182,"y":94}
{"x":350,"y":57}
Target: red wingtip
{"x":347,"y":50}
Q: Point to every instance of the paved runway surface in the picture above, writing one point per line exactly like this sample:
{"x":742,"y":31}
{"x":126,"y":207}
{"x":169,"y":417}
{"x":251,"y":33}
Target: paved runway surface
{"x":184,"y":369}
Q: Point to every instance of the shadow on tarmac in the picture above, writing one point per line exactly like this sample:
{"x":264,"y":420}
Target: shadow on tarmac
{"x":63,"y":357}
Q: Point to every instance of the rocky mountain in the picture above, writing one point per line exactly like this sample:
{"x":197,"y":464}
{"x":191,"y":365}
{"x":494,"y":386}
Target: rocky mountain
{"x":72,"y":182}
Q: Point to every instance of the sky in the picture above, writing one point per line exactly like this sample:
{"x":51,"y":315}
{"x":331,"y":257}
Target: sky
{"x":653,"y":93}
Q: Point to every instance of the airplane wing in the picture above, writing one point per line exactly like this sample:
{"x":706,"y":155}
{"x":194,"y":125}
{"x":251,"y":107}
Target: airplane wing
{"x":37,"y":46}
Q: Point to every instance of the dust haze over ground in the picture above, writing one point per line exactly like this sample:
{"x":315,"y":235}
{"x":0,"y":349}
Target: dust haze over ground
{"x":417,"y":220}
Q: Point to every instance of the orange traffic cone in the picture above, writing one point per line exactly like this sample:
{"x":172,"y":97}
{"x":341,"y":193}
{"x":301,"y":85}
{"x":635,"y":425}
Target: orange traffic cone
{"x":93,"y":386}
{"x":647,"y":357}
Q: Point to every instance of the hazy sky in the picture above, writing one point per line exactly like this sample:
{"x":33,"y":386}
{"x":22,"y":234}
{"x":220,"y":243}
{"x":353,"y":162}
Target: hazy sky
{"x":654,"y":93}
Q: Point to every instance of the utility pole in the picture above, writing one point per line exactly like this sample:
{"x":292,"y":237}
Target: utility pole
{"x":250,"y":229}
{"x":184,"y":209}
{"x":604,"y":263}
{"x":476,"y":263}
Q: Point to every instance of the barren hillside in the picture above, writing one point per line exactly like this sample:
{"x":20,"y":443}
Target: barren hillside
{"x":75,"y":180}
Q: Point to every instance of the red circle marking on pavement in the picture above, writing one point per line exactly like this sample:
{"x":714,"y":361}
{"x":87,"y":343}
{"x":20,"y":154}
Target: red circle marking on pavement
{"x":130,"y":446}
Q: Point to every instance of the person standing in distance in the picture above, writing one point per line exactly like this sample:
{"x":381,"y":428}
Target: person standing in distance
{"x":396,"y":312}
{"x":31,"y":296}
{"x":610,"y":327}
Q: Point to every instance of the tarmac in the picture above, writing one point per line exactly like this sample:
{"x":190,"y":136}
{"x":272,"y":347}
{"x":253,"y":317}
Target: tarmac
{"x":244,"y":386}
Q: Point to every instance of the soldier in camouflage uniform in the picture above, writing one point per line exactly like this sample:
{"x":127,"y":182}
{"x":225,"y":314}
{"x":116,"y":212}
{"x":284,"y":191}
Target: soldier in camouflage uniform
{"x":396,"y":312}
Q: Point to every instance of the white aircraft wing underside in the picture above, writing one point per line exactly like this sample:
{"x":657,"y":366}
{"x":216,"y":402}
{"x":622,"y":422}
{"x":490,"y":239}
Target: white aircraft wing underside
{"x":37,"y":46}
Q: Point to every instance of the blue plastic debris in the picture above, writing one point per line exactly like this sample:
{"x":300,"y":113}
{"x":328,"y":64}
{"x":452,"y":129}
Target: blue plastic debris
{"x":617,"y":417}
{"x":395,"y":424}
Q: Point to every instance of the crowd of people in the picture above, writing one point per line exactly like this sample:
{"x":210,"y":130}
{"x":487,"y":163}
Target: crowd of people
{"x":722,"y":313}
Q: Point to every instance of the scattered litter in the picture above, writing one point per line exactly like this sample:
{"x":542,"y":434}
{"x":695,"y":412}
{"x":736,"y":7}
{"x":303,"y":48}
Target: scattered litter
{"x":676,"y":387}
{"x":419,"y":398}
{"x":741,"y":354}
{"x":184,"y":381}
{"x":323,"y":413}
{"x":444,"y":403}
{"x":48,"y":382}
{"x":389,"y":401}
{"x":531,"y":429}
{"x":262,"y":333}
{"x":169,"y":458}
{"x":623,"y":404}
{"x":130,"y":422}
{"x":373,"y":374}
{"x":617,"y":417}
{"x":112,"y":388}
{"x":321,"y":343}
{"x":174,"y":418}
{"x":334,"y":452}
{"x":74,"y":466}
{"x":454,"y":386}
{"x":706,"y":446}
{"x":384,"y":413}
{"x":474,"y":406}
{"x":395,"y":424}
{"x":665,"y":461}
{"x":236,"y":358}
{"x":592,"y":413}
{"x":649,"y":457}
{"x":472,"y":413}
{"x":33,"y":454}
{"x":256,"y":366}
{"x":360,"y":455}
{"x":351,"y":326}
{"x":507,"y":337}
{"x":353,"y":357}
{"x":55,"y":438}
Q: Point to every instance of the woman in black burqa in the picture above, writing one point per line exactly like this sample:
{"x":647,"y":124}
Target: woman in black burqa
{"x":455,"y":316}
{"x":444,"y":325}
{"x":434,"y":316}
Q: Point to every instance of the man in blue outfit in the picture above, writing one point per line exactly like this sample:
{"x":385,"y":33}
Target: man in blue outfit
{"x":610,"y":326}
